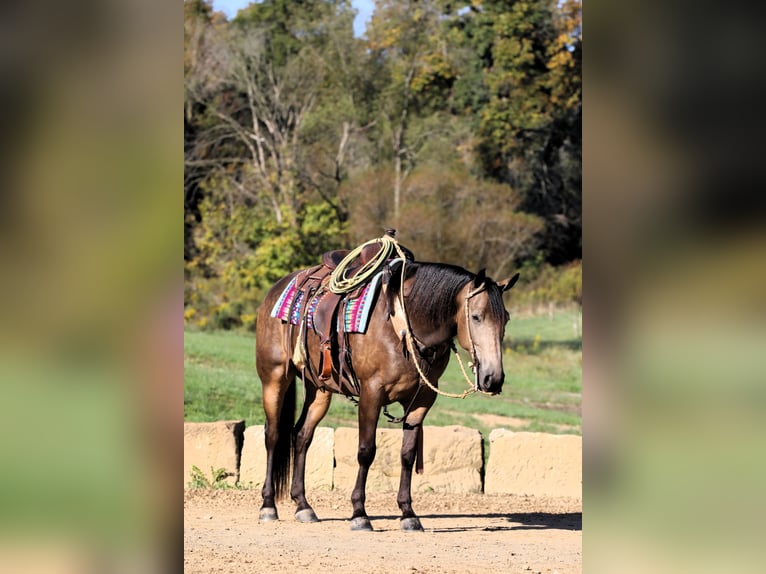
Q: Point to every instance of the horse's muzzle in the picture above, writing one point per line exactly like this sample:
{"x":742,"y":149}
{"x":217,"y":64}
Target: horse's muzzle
{"x":490,"y":381}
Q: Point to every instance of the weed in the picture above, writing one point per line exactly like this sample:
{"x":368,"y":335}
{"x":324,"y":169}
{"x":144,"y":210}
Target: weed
{"x":216,"y":480}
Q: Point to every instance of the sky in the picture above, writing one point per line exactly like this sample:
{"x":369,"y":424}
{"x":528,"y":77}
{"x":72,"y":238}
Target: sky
{"x":363,"y":7}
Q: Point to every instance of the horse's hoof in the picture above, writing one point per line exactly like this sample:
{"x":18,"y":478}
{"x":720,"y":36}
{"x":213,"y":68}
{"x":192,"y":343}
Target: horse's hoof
{"x":306,"y":515}
{"x":361,"y":523}
{"x":411,"y":524}
{"x":268,"y":515}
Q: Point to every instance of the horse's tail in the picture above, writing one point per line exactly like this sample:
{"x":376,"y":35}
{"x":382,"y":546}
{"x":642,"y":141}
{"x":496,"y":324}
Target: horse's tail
{"x":283,"y":452}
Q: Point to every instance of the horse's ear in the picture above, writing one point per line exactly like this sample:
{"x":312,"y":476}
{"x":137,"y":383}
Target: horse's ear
{"x":508,"y":283}
{"x":481,"y":276}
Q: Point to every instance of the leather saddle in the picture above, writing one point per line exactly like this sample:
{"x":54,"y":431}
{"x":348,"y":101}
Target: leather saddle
{"x":334,"y":350}
{"x":332,"y":259}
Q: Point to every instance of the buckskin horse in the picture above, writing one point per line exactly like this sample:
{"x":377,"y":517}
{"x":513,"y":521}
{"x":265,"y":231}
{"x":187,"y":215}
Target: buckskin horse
{"x":417,"y":312}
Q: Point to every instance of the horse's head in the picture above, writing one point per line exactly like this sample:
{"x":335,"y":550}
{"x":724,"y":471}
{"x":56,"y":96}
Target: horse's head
{"x":481,"y":327}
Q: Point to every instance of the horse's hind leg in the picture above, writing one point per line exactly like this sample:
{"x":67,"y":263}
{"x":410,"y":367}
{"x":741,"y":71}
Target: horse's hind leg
{"x":314,"y":409}
{"x":279,"y":408}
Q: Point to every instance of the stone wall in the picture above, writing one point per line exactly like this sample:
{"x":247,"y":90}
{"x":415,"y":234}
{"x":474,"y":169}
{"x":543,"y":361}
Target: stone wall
{"x":534,"y":463}
{"x":213,"y":445}
{"x":452,"y":460}
{"x":319,"y":461}
{"x":537,"y":464}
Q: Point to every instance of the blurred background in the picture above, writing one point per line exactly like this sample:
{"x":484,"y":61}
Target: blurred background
{"x":674,"y":333}
{"x":91,"y":295}
{"x":93,"y":307}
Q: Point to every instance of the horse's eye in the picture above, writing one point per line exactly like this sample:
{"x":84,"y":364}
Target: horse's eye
{"x":476,"y":318}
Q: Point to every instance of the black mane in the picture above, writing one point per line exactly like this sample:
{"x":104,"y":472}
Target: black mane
{"x":435,"y":286}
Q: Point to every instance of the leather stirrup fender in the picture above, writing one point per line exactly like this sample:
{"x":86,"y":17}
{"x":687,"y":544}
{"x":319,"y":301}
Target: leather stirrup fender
{"x":325,"y":360}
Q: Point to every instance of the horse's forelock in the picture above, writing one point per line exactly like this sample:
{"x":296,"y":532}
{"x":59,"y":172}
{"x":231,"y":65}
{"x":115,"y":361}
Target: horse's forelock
{"x":495,"y":297}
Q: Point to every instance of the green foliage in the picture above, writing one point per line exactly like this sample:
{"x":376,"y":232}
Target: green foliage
{"x":549,"y":286}
{"x":241,"y":255}
{"x":216,"y":480}
{"x":530,"y":129}
{"x":289,"y":23}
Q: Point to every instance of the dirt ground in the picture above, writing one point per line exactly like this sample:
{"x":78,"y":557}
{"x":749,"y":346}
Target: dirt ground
{"x":472,"y":533}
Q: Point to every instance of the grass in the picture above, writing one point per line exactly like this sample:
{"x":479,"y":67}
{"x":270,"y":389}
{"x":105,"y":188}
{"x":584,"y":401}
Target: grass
{"x":220,"y":382}
{"x":558,"y":329}
{"x":542,"y":392}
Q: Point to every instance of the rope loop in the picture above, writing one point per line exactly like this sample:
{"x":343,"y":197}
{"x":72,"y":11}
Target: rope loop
{"x":339,"y":282}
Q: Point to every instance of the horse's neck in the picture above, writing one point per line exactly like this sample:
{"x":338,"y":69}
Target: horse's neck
{"x":433,"y":334}
{"x":435,"y":337}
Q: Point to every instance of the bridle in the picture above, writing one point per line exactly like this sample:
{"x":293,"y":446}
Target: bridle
{"x":474,"y":364}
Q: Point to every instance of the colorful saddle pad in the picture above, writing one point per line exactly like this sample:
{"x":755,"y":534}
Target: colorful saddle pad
{"x":356,"y":313}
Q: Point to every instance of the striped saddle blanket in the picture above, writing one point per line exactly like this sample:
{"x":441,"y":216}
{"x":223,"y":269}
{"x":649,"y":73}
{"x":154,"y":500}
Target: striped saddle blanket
{"x":355,"y":314}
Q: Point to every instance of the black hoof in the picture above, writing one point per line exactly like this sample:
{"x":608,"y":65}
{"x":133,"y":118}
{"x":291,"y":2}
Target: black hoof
{"x":306,"y":515}
{"x":361,"y":523}
{"x":268,"y":515}
{"x":411,"y":524}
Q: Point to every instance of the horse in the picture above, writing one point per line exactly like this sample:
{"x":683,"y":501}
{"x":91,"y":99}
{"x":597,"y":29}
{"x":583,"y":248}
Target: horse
{"x":441,"y":302}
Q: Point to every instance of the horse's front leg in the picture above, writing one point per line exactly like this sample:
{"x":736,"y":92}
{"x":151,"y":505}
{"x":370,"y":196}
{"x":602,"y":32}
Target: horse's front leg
{"x":369,"y":410}
{"x":412,"y":441}
{"x":314,"y":409}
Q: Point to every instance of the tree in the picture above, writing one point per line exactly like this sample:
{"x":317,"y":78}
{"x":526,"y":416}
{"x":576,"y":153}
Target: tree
{"x":451,"y":216}
{"x":272,"y":87}
{"x":457,"y":122}
{"x":531,"y":126}
{"x":258,"y":88}
{"x":405,"y":43}
{"x":457,"y":218}
{"x":198,"y":18}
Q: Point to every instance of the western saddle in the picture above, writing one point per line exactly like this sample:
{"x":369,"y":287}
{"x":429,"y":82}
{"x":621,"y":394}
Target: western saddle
{"x":335,"y":353}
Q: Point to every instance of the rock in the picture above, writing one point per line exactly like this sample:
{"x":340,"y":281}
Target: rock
{"x":319,"y":461}
{"x":452,"y":460}
{"x":213,"y":445}
{"x":537,"y":464}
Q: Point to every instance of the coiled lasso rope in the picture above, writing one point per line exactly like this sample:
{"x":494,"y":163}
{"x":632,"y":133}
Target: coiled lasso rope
{"x":340,"y":283}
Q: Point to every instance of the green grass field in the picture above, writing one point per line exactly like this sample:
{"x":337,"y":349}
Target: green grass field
{"x":542,"y":391}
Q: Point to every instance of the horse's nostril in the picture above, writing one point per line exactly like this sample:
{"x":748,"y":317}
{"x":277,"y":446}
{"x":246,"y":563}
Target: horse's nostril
{"x":490,"y":382}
